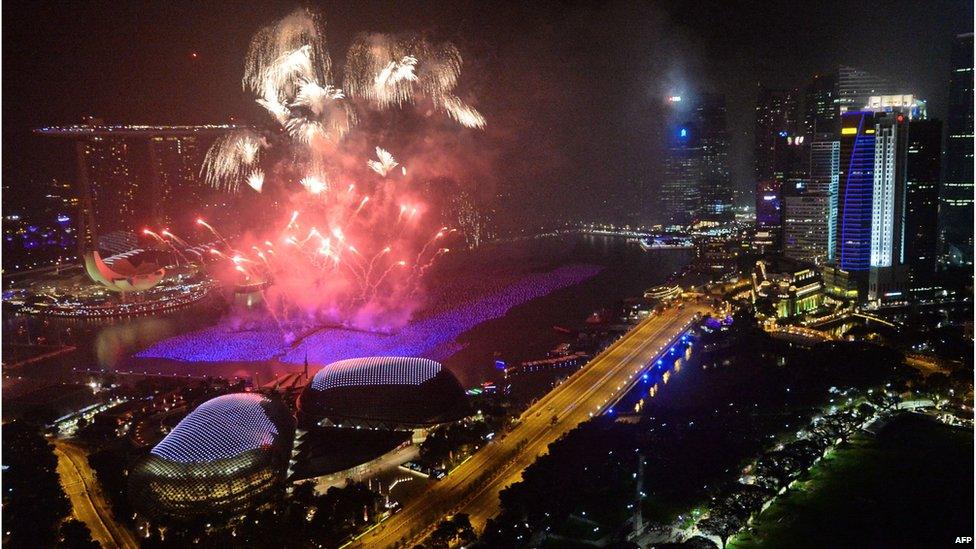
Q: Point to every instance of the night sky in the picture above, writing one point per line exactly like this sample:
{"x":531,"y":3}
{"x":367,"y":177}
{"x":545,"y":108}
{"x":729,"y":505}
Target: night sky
{"x":573,"y":91}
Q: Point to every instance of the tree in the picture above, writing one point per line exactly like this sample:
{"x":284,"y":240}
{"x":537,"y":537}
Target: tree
{"x":75,"y":534}
{"x":33,"y":501}
{"x":465,"y":531}
{"x":457,"y":529}
{"x":721,"y":524}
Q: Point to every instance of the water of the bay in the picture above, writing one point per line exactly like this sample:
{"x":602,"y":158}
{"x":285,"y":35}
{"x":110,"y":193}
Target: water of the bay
{"x":526,"y":332}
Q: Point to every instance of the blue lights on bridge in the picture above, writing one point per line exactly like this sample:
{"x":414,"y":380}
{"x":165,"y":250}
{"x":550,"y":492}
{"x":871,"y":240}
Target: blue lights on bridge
{"x":654,"y":375}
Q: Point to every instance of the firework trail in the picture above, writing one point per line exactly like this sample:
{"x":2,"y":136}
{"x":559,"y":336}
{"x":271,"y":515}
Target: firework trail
{"x":166,"y":233}
{"x":463,"y":114}
{"x":200,"y":221}
{"x":167,"y":243}
{"x":342,"y":252}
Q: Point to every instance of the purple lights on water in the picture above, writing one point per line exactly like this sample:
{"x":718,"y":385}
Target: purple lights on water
{"x":451,"y":313}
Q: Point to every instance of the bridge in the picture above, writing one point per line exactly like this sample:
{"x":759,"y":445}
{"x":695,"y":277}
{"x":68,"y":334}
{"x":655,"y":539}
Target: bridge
{"x":473,"y":486}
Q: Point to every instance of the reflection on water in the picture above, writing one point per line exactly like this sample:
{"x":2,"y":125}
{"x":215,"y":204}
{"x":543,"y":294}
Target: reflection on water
{"x":102,"y":344}
{"x":115,"y":343}
{"x":524,"y":333}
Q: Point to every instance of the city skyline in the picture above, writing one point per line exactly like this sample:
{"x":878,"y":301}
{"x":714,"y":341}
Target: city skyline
{"x":687,"y":59}
{"x":488,"y":275}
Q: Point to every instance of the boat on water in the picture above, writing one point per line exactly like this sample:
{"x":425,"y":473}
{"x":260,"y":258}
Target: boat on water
{"x":666,"y":243}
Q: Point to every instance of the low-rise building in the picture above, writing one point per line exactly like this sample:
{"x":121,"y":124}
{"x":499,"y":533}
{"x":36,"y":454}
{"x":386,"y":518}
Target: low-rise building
{"x":785,"y":288}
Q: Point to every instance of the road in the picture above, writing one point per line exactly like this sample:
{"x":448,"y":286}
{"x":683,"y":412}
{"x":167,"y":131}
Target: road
{"x":387,"y":462}
{"x":88,"y":503}
{"x":473,"y":487}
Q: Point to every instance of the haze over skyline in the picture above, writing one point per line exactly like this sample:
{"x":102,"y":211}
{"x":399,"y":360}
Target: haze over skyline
{"x":560,"y":126}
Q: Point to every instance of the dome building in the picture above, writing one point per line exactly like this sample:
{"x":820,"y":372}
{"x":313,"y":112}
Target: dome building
{"x":398,"y":393}
{"x":227,"y":456}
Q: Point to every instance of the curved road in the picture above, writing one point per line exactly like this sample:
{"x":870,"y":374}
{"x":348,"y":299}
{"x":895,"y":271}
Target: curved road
{"x":88,"y":504}
{"x":473,"y":487}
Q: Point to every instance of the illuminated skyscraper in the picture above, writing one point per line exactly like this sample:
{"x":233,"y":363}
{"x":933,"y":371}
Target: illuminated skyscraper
{"x":790,"y":162}
{"x":179,"y":190}
{"x":680,"y":192}
{"x":769,"y":220}
{"x":819,"y":110}
{"x":113,"y":182}
{"x":804,"y":222}
{"x":716,"y":183}
{"x":857,"y":144}
{"x":791,"y":157}
{"x":697,"y":180}
{"x":775,"y":116}
{"x":871,"y":201}
{"x":824,"y":170}
{"x":129,"y":177}
{"x":957,"y":187}
{"x":855,"y":87}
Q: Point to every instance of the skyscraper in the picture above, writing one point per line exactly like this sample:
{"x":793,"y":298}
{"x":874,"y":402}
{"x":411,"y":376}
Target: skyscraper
{"x":888,"y":194}
{"x":179,"y":190}
{"x":923,"y":169}
{"x":805,"y":228}
{"x":824,"y":170}
{"x":114,"y":185}
{"x":957,"y":187}
{"x":871,"y":201}
{"x":819,"y":110}
{"x":791,"y":157}
{"x":129,"y":177}
{"x":790,"y":161}
{"x":697,"y":180}
{"x":769,"y":219}
{"x":776,"y":111}
{"x":716,"y":184}
{"x":855,"y":86}
{"x":857,"y":144}
{"x":680,"y":192}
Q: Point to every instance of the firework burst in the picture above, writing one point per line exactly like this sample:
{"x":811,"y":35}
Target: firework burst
{"x":352,"y":248}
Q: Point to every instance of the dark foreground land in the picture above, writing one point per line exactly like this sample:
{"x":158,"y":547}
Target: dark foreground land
{"x":909,"y":486}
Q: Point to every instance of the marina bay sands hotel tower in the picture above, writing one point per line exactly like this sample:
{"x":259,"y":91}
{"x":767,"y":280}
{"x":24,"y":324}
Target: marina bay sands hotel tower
{"x":132,"y":176}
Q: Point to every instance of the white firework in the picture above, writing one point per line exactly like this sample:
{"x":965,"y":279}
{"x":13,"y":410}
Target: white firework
{"x":314,"y":185}
{"x":256,"y":180}
{"x":293,"y":45}
{"x":304,"y":130}
{"x":464,"y":114}
{"x":288,"y":70}
{"x":231,"y":158}
{"x":393,"y":84}
{"x":385,"y":163}
{"x":315,"y":97}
